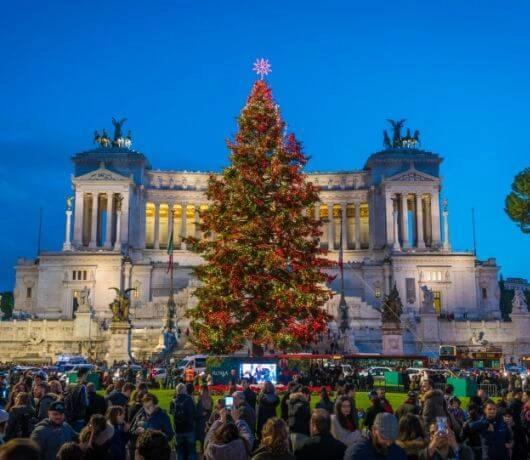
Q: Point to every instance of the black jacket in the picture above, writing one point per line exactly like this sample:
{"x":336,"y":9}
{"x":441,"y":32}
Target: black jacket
{"x":250,"y":397}
{"x":299,"y":414}
{"x":319,"y":447}
{"x":267,"y":404}
{"x":188,"y":406}
{"x":96,"y":405}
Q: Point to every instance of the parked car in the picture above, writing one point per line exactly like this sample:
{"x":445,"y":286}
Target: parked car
{"x":377,"y":372}
{"x":159,"y":373}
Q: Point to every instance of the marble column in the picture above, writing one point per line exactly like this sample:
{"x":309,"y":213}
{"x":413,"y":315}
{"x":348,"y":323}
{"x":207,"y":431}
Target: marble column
{"x":331,"y":228}
{"x":196,"y":210}
{"x":108,"y":230}
{"x":344,"y":226}
{"x":404,"y":222}
{"x":419,"y":221}
{"x":184,"y":225}
{"x":357,"y":225}
{"x":396,"y":246}
{"x":389,"y":210}
{"x":156,"y":244}
{"x":428,"y":220}
{"x":117,"y":244}
{"x":170,"y":223}
{"x":446,"y":244}
{"x":94,"y":222}
{"x":435,"y":213}
{"x":67,"y":245}
{"x":78,"y":218}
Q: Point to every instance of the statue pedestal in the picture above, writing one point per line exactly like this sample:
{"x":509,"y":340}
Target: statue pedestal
{"x":161,"y":342}
{"x":82,"y":324}
{"x":119,"y":342}
{"x":392,"y":338}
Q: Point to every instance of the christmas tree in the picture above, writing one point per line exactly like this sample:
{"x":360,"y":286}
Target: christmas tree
{"x":263,"y":279}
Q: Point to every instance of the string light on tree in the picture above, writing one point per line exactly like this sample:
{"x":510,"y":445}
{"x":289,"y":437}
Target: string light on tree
{"x":262,"y":67}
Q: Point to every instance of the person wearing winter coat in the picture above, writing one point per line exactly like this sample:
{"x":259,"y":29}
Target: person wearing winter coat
{"x":343,"y":423}
{"x":411,"y":436}
{"x":182,"y":408}
{"x":274,"y":441}
{"x":433,"y":404}
{"x":52,"y":432}
{"x":410,"y":406}
{"x":299,"y":417}
{"x":246,"y":412}
{"x":22,"y":418}
{"x":203,"y":411}
{"x":118,"y":444}
{"x":228,"y":440}
{"x":96,"y":439}
{"x":43,"y":399}
{"x":268,"y":401}
{"x":494,"y":433}
{"x":325,"y":402}
{"x":150,"y":416}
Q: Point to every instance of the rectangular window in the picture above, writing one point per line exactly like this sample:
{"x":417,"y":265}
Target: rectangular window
{"x":84,"y":275}
{"x":411,"y":289}
{"x":484,"y":293}
{"x":74,"y":273}
{"x":28,"y":293}
{"x":437,"y":301}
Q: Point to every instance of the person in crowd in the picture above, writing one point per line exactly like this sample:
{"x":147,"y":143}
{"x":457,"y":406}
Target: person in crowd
{"x":469,"y":436}
{"x":448,"y":393}
{"x":71,"y":451}
{"x":95,"y":438}
{"x":372,"y":411}
{"x":268,"y":401}
{"x":96,"y":403}
{"x":299,"y":417}
{"x":232,"y":378}
{"x":321,"y":444}
{"x":43,"y":399}
{"x":433,"y":403}
{"x":284,"y":404}
{"x":118,"y":446}
{"x":56,"y":389}
{"x":227,"y":440}
{"x":250,"y":395}
{"x":443,"y":446}
{"x":481,"y":393}
{"x":18,"y":388}
{"x":410,"y":406}
{"x":20,"y":449}
{"x":203,"y":411}
{"x":246,"y":412}
{"x":380,"y":441}
{"x":120,"y":395}
{"x":325,"y":401}
{"x":4,"y":417}
{"x":274,"y":441}
{"x":150,"y":416}
{"x":519,"y":449}
{"x":22,"y":418}
{"x":76,"y":401}
{"x":456,"y":411}
{"x":182,"y":408}
{"x":516,"y":406}
{"x":152,"y":445}
{"x":343,"y":423}
{"x":385,"y":403}
{"x":136,"y":401}
{"x":494,"y":433}
{"x":4,"y":390}
{"x":411,"y":436}
{"x":52,"y":432}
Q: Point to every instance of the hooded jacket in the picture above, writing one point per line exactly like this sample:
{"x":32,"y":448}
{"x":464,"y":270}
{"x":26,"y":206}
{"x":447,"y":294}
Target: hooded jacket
{"x":299,"y":414}
{"x":433,"y":406}
{"x":238,"y":449}
{"x":158,"y":420}
{"x":51,"y":437}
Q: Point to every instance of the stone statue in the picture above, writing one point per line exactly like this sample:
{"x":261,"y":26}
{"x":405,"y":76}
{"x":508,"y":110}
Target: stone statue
{"x":104,"y":139}
{"x":396,"y":128}
{"x":392,"y":307}
{"x":427,"y":305}
{"x":386,"y":140}
{"x":478,"y":339}
{"x":519,"y":303}
{"x":83,"y":296}
{"x":119,"y":201}
{"x":69,"y":201}
{"x":121,"y":305}
{"x":117,"y":128}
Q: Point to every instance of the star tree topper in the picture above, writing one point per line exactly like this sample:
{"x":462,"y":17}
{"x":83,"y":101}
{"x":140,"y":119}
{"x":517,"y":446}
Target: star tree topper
{"x":262,"y":67}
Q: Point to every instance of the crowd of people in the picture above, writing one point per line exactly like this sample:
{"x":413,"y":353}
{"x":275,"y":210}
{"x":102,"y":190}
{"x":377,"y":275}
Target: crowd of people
{"x":41,"y":419}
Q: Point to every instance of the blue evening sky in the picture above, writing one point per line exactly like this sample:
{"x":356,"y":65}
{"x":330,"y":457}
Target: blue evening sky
{"x":181,"y":71}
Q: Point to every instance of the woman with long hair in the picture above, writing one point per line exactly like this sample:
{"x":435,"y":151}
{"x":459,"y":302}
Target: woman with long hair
{"x":204,"y":411}
{"x":118,"y":444}
{"x":325,"y":401}
{"x":343,"y":423}
{"x":22,"y":418}
{"x":96,"y":437}
{"x":267,"y":402}
{"x":274,"y":441}
{"x":411,"y":436}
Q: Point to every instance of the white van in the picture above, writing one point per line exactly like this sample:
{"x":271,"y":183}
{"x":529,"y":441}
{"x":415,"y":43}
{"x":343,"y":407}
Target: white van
{"x":197,"y":362}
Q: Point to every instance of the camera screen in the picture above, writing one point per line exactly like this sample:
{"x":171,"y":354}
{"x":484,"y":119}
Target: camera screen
{"x":259,"y":373}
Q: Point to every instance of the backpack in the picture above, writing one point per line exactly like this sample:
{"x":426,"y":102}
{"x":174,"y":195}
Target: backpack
{"x":24,"y":425}
{"x":75,"y":406}
{"x":179,"y":414}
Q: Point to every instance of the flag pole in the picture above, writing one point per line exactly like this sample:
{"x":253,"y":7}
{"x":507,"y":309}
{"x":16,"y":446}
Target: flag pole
{"x":170,"y":300}
{"x":343,"y":306}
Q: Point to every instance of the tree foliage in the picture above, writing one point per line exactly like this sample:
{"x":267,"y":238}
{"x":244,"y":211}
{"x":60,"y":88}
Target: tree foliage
{"x":6,"y":304}
{"x":518,"y":201}
{"x":263,"y":279}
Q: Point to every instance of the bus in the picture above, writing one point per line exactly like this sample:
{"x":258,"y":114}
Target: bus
{"x":473,"y":356}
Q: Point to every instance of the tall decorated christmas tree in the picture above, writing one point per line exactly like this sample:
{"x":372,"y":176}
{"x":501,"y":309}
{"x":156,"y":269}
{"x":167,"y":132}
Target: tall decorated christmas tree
{"x":263,"y":279}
